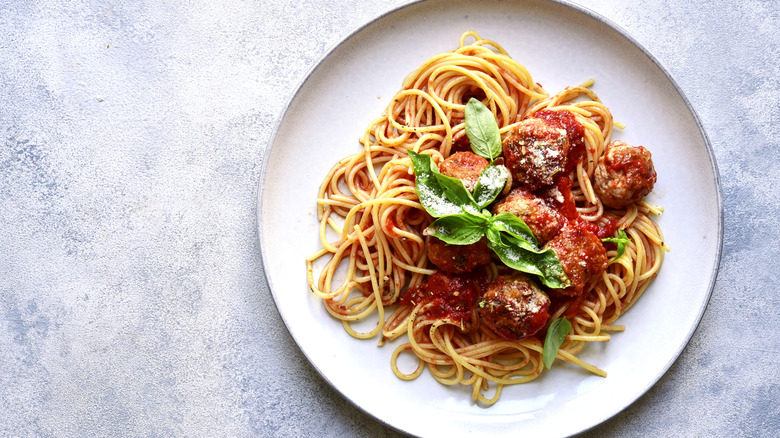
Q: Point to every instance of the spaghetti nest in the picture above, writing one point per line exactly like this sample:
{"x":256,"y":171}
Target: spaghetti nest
{"x":379,"y":250}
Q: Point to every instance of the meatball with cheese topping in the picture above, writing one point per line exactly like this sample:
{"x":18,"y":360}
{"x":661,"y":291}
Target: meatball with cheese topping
{"x":582,"y":256}
{"x":458,"y":259}
{"x":536,"y":152}
{"x":514,"y":307}
{"x":624,"y":174}
{"x":466,"y":166}
{"x":543,"y":221}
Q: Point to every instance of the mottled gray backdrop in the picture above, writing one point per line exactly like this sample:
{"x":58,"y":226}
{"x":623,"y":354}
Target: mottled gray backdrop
{"x":132,"y":300}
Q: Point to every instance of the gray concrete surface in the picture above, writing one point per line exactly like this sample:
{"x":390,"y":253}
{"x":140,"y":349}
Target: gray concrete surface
{"x":132,"y":299}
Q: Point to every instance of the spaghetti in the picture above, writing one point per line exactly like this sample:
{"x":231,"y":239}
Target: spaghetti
{"x":379,"y":257}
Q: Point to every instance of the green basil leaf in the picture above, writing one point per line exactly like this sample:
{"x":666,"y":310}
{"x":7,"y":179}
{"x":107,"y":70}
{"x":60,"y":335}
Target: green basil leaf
{"x":494,"y":236}
{"x":515,"y":226}
{"x":482,"y":130}
{"x":472,"y":210}
{"x":622,"y":240}
{"x":556,"y":334}
{"x":459,"y":229}
{"x":490,"y":183}
{"x":519,"y":255}
{"x":429,"y":191}
{"x":454,"y":190}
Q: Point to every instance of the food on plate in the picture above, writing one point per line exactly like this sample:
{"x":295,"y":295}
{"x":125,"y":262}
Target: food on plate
{"x":465,"y":166}
{"x":491,"y":225}
{"x":582,"y":256}
{"x":457,"y":259}
{"x":624,"y":175}
{"x":514,"y":307}
{"x":536,"y":152}
{"x":543,"y":220}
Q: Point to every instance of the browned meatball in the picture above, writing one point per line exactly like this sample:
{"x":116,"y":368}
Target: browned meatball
{"x":466,"y":166}
{"x":514,"y":307}
{"x":536,"y":152}
{"x":543,"y":220}
{"x":457,"y":259}
{"x":582,"y":256}
{"x":624,"y":175}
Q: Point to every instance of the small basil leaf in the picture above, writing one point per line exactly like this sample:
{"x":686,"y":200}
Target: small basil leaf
{"x":494,"y":236}
{"x":490,"y":183}
{"x":428,"y":189}
{"x":471,"y":210}
{"x":622,"y":240}
{"x":482,"y":130}
{"x":519,"y":255}
{"x":458,"y":229}
{"x":515,"y":226}
{"x":556,"y":334}
{"x":454,"y":190}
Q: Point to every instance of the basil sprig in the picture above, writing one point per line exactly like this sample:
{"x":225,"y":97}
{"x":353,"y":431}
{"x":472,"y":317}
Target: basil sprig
{"x":621,"y":240}
{"x":556,"y":334}
{"x":462,"y":219}
{"x":482,"y":130}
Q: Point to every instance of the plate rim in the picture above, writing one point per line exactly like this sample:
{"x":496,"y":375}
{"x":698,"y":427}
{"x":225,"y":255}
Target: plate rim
{"x":261,"y":187}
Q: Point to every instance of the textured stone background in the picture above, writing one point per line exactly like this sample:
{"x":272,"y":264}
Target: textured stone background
{"x":132,"y":300}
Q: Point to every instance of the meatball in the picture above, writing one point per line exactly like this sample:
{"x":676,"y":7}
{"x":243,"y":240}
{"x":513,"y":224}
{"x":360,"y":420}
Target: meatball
{"x":457,"y":259}
{"x":582,"y":256}
{"x":514,"y":307}
{"x":466,"y":166}
{"x":543,"y":220}
{"x":536,"y":152}
{"x":624,"y":174}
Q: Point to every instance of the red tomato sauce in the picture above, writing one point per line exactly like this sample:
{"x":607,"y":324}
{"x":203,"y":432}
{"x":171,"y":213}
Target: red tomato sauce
{"x":558,"y":300}
{"x":388,"y":227}
{"x":568,"y":210}
{"x":451,"y":297}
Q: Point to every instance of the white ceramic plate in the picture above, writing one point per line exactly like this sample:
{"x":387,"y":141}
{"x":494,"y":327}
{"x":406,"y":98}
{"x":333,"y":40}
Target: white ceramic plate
{"x":560,"y":45}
